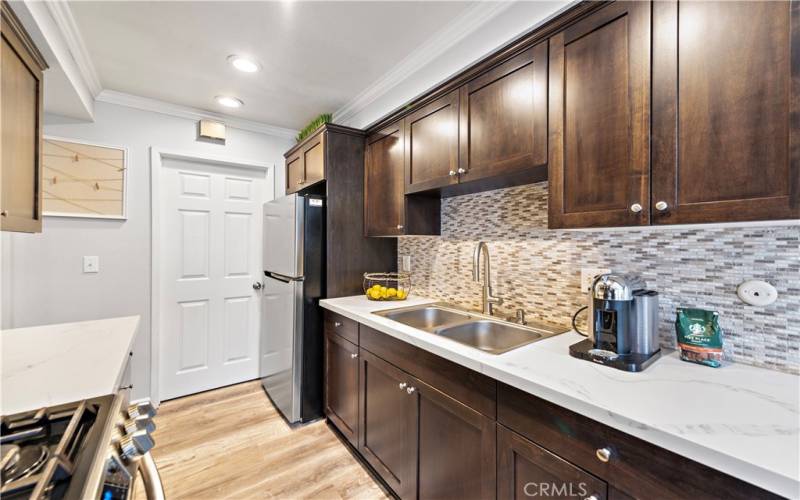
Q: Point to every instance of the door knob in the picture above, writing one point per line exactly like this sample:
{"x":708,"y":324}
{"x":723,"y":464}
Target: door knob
{"x":636,"y":208}
{"x":257,"y":285}
{"x":661,"y":206}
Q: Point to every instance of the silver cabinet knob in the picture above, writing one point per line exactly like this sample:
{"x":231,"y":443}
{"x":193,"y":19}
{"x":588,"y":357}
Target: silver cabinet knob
{"x":353,"y":355}
{"x":257,"y":285}
{"x":402,"y":385}
{"x":452,"y":173}
{"x":141,"y":423}
{"x":337,"y":324}
{"x":411,"y":390}
{"x":461,"y":171}
{"x":603,"y":454}
{"x":661,"y":206}
{"x":135,"y":445}
{"x":636,"y":208}
{"x":399,"y":226}
{"x":142,"y":408}
{"x":301,"y":181}
{"x":593,"y":497}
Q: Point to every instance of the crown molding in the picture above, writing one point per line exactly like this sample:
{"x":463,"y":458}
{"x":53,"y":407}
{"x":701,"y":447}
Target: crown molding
{"x":455,"y":31}
{"x":65,"y":22}
{"x":190,"y":113}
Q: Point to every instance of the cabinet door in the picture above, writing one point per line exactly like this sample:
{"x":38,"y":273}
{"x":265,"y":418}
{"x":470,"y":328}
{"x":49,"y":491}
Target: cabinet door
{"x":387,"y":423}
{"x":599,"y":139}
{"x":341,"y":385}
{"x":314,"y":160}
{"x":503,"y":124}
{"x":21,"y":128}
{"x":384,"y":204}
{"x":525,"y":470}
{"x":456,"y":448}
{"x":725,"y":143}
{"x":295,"y":173}
{"x":431,"y":142}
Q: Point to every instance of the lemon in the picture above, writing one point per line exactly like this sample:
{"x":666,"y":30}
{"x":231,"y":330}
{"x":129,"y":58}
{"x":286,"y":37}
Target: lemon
{"x":391,"y":292}
{"x":375,"y":294}
{"x":383,"y":289}
{"x":401,"y":294}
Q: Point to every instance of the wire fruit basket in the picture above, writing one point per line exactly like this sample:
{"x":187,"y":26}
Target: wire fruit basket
{"x":387,"y":286}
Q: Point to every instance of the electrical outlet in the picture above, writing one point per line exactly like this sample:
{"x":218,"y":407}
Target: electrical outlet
{"x":91,"y":264}
{"x":406,"y":263}
{"x":588,"y":274}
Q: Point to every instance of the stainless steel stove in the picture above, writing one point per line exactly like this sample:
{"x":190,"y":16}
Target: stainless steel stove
{"x":91,"y":449}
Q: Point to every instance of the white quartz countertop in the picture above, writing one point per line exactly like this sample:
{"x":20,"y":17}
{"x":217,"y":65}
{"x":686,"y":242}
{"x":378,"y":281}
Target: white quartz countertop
{"x":54,"y":364}
{"x":739,"y":419}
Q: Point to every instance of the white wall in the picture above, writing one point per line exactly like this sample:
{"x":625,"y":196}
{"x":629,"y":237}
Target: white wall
{"x":42,"y":273}
{"x":518,"y":18}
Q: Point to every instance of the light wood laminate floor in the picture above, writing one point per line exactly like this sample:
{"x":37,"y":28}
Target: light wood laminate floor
{"x":232,"y":443}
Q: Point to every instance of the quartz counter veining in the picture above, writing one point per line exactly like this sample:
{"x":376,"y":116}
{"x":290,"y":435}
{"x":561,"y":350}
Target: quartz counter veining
{"x":53,"y":364}
{"x":739,"y":419}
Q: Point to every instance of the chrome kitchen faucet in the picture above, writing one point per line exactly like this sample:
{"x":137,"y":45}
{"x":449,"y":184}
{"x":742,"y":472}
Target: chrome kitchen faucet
{"x":488,"y":299}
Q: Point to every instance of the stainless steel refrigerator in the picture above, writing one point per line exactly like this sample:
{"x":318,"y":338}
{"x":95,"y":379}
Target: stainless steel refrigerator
{"x":291,"y":323}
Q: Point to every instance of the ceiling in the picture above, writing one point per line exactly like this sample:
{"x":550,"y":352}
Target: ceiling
{"x":315,"y":56}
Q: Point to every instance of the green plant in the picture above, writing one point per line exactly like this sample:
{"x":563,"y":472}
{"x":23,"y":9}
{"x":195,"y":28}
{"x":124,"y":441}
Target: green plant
{"x":314,"y":125}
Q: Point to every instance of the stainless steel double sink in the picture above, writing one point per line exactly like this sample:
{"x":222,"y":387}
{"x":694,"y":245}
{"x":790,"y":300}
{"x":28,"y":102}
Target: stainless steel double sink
{"x":480,"y":331}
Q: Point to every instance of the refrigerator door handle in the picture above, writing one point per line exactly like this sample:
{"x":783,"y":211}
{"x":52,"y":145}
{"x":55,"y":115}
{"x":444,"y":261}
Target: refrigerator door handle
{"x":280,"y":277}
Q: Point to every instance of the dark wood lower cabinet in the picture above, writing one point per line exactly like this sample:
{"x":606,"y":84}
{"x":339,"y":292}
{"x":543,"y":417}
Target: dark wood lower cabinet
{"x":341,"y":385}
{"x":456,"y":448}
{"x":526,"y":470}
{"x":387,"y":423}
{"x":432,"y":429}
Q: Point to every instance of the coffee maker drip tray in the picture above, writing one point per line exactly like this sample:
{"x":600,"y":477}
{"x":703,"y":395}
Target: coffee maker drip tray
{"x":627,"y":362}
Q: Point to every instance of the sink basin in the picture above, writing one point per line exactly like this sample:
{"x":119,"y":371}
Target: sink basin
{"x":477,"y":330}
{"x":425,"y":318}
{"x":490,"y":336}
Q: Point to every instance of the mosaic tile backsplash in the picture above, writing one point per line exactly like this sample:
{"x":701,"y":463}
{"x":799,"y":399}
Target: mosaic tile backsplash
{"x":538,"y":269}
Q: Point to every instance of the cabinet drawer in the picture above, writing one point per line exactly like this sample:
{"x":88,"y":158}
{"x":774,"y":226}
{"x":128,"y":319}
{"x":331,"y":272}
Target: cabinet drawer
{"x":634,"y":466}
{"x":344,"y":327}
{"x":471,"y":388}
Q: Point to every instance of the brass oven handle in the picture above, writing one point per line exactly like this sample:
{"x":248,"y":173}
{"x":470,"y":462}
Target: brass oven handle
{"x":153,"y":488}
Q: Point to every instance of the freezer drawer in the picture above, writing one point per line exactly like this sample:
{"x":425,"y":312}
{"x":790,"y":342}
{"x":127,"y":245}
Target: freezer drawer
{"x":281,"y":344}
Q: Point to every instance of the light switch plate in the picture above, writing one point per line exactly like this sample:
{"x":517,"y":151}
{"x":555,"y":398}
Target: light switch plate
{"x":91,"y":264}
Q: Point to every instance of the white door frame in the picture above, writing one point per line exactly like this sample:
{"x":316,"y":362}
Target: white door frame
{"x":157,"y":155}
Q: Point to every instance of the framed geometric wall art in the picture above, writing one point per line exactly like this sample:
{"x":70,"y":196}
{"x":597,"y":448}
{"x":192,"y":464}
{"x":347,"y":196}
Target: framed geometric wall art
{"x":81,"y":179}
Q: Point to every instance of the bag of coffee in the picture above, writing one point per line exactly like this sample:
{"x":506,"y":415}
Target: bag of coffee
{"x":699,"y":336}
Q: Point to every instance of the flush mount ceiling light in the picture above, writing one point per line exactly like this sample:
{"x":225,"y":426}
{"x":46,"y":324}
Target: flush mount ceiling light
{"x":244,"y":64}
{"x":228,"y":101}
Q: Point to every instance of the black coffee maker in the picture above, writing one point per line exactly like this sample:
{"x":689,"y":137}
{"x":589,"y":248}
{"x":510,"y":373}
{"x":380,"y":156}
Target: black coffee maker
{"x":623,"y":324}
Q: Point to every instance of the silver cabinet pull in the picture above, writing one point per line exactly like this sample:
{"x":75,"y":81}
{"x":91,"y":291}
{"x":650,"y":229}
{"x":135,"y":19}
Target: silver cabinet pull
{"x":636,"y":208}
{"x":353,"y":355}
{"x":452,"y":173}
{"x":337,"y":324}
{"x":399,"y":226}
{"x":411,"y":390}
{"x":402,"y":385}
{"x":661,"y":206}
{"x":603,"y":454}
{"x":461,"y":171}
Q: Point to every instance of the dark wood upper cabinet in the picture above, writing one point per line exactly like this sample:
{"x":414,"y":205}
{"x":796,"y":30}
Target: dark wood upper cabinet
{"x":387,"y":423}
{"x":431,"y":143}
{"x":22,"y":110}
{"x":387,"y":210}
{"x":456,"y":447}
{"x":726,"y":94}
{"x":341,"y":385}
{"x":305,"y":163}
{"x":503,"y":124}
{"x":526,"y":470}
{"x":384,"y":207}
{"x":599,"y":119}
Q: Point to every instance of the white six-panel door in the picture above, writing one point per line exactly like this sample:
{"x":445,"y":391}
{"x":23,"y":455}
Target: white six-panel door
{"x":210,"y":254}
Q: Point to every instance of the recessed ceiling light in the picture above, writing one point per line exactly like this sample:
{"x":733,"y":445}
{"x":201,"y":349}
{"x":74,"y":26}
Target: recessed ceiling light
{"x":228,"y":101}
{"x":244,"y":64}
